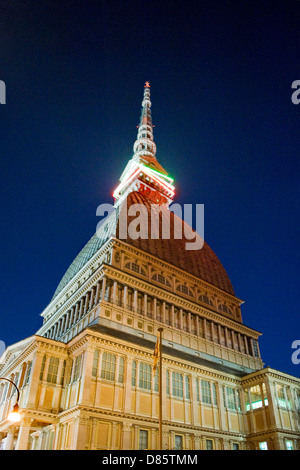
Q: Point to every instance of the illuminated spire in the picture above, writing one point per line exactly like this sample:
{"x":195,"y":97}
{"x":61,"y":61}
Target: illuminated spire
{"x":143,"y":172}
{"x":144,"y":145}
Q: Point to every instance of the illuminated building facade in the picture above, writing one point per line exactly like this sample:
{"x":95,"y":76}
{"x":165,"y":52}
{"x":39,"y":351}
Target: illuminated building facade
{"x":85,"y":377}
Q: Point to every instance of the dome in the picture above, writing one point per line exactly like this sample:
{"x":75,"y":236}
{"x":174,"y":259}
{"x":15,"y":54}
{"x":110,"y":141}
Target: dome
{"x":202,"y":263}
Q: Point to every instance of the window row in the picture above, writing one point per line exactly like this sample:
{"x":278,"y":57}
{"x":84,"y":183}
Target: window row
{"x":184,"y":289}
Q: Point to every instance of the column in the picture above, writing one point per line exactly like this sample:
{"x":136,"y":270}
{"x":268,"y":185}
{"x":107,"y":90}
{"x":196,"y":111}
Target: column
{"x":103,"y":288}
{"x":80,"y":313}
{"x":172,"y":315}
{"x":189,"y":322}
{"x":145,"y":305}
{"x":80,"y":434}
{"x":204,"y":328}
{"x":164,"y":312}
{"x":114,"y":294}
{"x":34,"y":381}
{"x":125,"y":296}
{"x":97,"y":293}
{"x":23,"y":437}
{"x":135,"y":293}
{"x":86,"y":379}
{"x":197,"y":326}
{"x":9,"y":441}
{"x":181,"y":319}
{"x":91,"y":298}
{"x":86,"y":302}
{"x":154,"y":308}
{"x":127,"y":436}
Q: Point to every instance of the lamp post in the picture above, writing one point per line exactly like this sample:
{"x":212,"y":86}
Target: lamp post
{"x":14,"y":415}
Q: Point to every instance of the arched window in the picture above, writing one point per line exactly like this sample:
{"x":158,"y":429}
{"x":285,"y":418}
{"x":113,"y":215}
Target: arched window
{"x":224,"y":308}
{"x":185,"y":290}
{"x":162,"y":279}
{"x":136,"y":268}
{"x":205,"y":299}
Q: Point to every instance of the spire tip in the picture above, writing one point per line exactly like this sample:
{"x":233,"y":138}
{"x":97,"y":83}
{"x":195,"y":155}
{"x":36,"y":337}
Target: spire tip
{"x":147,"y":85}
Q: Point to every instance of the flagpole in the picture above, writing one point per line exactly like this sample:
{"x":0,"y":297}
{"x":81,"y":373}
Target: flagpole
{"x":160,"y":387}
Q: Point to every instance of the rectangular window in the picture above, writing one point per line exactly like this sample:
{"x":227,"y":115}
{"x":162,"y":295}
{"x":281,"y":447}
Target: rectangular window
{"x":168,"y":382}
{"x":177,"y":385}
{"x":28,"y":373}
{"x":288,"y":445}
{"x":95,"y":363}
{"x":145,"y":376}
{"x":281,"y":401}
{"x":156,"y":381}
{"x":197,"y":390}
{"x":255,"y":348}
{"x":63,"y":373}
{"x":143,"y":439}
{"x":178,"y":442}
{"x":121,"y":370}
{"x":133,"y":376}
{"x":231,"y":400}
{"x":214,"y":390}
{"x":205,"y":392}
{"x":256,"y":398}
{"x":209,"y":444}
{"x":235,"y":446}
{"x":77,"y":368}
{"x":263,"y":446}
{"x":187,"y":387}
{"x":108,"y":369}
{"x":53,"y":370}
{"x":43,"y":367}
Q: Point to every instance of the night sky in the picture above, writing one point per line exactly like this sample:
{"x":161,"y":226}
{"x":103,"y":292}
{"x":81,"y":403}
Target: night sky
{"x":225,"y":128}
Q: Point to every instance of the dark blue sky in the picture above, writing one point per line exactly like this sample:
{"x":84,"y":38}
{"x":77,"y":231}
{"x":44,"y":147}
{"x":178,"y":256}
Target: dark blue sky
{"x":225,"y":127}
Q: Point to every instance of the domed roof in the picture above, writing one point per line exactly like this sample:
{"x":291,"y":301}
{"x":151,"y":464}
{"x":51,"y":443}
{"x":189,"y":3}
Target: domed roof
{"x":202,"y":263}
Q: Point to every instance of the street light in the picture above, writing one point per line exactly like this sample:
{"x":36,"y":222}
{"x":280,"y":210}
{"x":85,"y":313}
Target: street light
{"x":14,"y":416}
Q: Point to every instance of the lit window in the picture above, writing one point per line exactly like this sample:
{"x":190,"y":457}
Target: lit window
{"x":143,"y":439}
{"x":263,"y":446}
{"x":289,"y":445}
{"x":281,"y":396}
{"x":108,"y":368}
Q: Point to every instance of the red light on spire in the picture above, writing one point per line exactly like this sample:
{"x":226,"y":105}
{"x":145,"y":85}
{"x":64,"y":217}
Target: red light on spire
{"x":147,"y":85}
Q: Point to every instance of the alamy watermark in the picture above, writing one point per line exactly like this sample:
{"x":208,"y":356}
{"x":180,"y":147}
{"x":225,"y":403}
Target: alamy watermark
{"x":296,"y":354}
{"x":2,"y":92}
{"x":2,"y":347}
{"x":296,"y":94}
{"x":138,"y":222}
